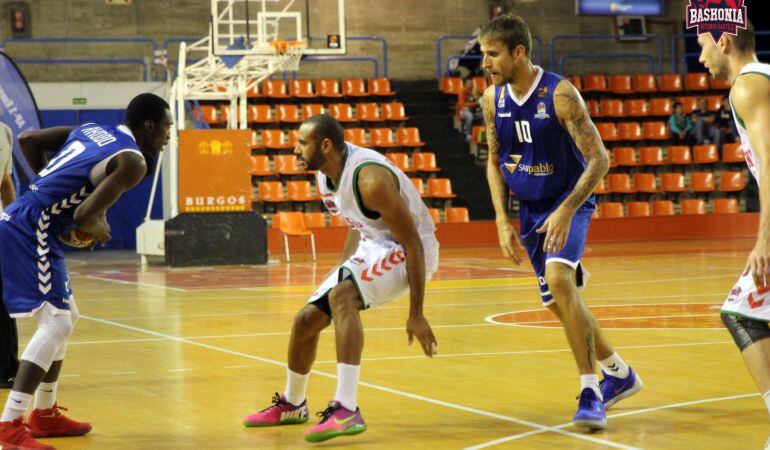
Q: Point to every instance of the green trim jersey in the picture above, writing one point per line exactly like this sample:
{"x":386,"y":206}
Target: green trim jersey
{"x":344,"y":199}
{"x":752,"y":159}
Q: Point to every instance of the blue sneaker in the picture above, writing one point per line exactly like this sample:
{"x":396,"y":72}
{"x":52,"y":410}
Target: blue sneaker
{"x":615,"y":389}
{"x":590,"y":413}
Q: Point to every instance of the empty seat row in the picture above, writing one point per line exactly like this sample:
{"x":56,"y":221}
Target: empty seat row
{"x":326,"y":88}
{"x":386,"y":138}
{"x":323,"y":220}
{"x":648,"y":83}
{"x":633,"y":131}
{"x":304,"y":191}
{"x":656,"y":107}
{"x":692,"y":206}
{"x":295,"y":114}
{"x":286,"y":164}
{"x":647,"y":183}
{"x":454,"y":85}
{"x":677,"y":155}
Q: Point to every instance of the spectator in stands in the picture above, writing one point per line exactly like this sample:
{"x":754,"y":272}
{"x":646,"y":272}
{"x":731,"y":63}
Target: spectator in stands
{"x":704,"y":125}
{"x":468,"y":107}
{"x":724,"y":121}
{"x":680,"y":125}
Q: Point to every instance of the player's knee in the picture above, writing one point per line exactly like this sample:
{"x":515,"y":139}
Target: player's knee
{"x":343,"y":299}
{"x":559,"y":277}
{"x":308,"y":319}
{"x":745,"y":332}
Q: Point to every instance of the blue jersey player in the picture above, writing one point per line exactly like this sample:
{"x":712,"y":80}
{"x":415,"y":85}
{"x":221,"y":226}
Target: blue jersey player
{"x":90,"y":169}
{"x":545,"y":149}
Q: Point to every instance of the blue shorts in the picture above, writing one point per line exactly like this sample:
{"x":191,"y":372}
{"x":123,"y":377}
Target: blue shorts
{"x":569,"y":255}
{"x":31,"y":261}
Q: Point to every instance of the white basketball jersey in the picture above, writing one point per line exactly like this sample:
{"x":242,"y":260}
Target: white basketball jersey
{"x":752,"y":159}
{"x":344,"y":200}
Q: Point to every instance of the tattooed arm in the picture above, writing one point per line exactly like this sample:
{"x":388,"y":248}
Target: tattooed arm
{"x":573,"y":116}
{"x":509,"y":239}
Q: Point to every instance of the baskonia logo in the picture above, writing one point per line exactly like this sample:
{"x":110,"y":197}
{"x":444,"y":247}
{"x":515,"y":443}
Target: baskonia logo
{"x":716,"y":17}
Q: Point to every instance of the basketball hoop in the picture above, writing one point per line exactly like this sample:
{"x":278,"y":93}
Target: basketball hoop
{"x":288,"y":54}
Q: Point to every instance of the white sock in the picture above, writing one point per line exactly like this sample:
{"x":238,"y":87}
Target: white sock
{"x":766,"y":397}
{"x":591,"y":381}
{"x":45,"y":395}
{"x":615,"y":366}
{"x":16,"y":406}
{"x":347,"y":385}
{"x":296,"y":387}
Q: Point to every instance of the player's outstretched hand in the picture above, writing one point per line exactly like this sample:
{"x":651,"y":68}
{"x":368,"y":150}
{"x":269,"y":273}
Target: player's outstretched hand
{"x":418,"y":326}
{"x":509,"y":240}
{"x":758,"y":264}
{"x":556,"y":228}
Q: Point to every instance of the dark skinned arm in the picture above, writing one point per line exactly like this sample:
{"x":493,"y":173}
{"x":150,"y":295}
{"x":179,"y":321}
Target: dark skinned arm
{"x":35,"y":143}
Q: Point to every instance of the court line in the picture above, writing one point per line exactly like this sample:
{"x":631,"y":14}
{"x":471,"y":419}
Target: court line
{"x":138,"y":283}
{"x":611,"y":416}
{"x":373,"y":386}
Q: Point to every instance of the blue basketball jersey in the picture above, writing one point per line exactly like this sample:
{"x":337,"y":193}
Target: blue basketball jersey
{"x":538,"y":158}
{"x":31,"y":258}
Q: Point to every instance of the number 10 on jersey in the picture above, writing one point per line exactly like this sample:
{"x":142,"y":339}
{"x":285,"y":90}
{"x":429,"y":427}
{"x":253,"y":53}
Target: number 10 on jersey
{"x":523,"y":131}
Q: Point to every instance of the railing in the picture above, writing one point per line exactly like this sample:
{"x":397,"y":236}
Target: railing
{"x":555,"y":39}
{"x":678,"y":63}
{"x":564,"y":58}
{"x":537,"y":42}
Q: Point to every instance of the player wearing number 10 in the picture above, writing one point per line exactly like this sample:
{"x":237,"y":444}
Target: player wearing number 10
{"x":543,"y":145}
{"x":93,"y":167}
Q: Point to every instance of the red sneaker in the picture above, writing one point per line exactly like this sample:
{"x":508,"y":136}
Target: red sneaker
{"x":51,"y":423}
{"x":15,"y":436}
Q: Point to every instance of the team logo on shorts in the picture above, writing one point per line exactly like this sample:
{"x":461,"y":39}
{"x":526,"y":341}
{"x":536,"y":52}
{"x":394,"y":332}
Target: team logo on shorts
{"x":716,"y":17}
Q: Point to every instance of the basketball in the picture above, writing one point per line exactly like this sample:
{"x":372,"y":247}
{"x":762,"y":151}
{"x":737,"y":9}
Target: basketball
{"x":77,"y":238}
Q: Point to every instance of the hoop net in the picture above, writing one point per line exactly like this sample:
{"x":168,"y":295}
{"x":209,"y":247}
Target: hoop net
{"x":288,"y":54}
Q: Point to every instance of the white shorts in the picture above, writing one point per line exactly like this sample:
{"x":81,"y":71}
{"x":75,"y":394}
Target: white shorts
{"x":378,"y":269}
{"x":745,"y":301}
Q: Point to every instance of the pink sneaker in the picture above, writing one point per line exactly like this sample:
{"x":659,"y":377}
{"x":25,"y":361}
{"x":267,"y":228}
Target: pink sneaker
{"x":280,"y":413}
{"x":336,"y":421}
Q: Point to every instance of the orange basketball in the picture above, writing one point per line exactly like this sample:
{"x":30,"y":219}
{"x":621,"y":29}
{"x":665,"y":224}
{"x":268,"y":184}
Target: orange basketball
{"x":77,"y":238}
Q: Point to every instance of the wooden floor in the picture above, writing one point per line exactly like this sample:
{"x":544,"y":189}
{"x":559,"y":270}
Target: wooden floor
{"x":175,"y":358}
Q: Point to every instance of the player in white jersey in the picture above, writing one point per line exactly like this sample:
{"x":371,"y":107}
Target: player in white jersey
{"x":390,"y":250}
{"x":746,"y":311}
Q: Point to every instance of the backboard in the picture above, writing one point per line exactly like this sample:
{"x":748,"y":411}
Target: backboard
{"x":247,"y":27}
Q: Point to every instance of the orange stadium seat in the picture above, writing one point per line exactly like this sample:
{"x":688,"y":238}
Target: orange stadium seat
{"x":254,"y":91}
{"x":457,"y":215}
{"x":394,"y":111}
{"x":594,"y":83}
{"x":593,"y":108}
{"x":732,"y":181}
{"x":368,"y":112}
{"x":660,"y":107}
{"x":696,"y":81}
{"x":646,"y":183}
{"x":689,"y":103}
{"x":733,"y":153}
{"x":480,"y":83}
{"x":611,"y":210}
{"x":645,"y":83}
{"x":705,"y":154}
{"x":673,"y":182}
{"x":272,"y":192}
{"x":608,"y":131}
{"x":343,"y":112}
{"x":418,"y":184}
{"x":630,"y":131}
{"x":312,"y":109}
{"x":655,"y":131}
{"x":260,"y":166}
{"x":262,"y":114}
{"x":670,"y":82}
{"x":337,"y":221}
{"x":662,"y":208}
{"x":440,"y":188}
{"x":452,"y":85}
{"x":721,"y":85}
{"x":301,"y":89}
{"x":209,"y":113}
{"x":276,"y":140}
{"x":224,"y":113}
{"x":435,"y":215}
{"x":620,"y":183}
{"x":315,"y":219}
{"x":692,"y":206}
{"x":354,"y":87}
{"x":679,"y":155}
{"x":601,"y":188}
{"x":301,"y":191}
{"x":638,"y":209}
{"x":356,"y":136}
{"x":479,"y":134}
{"x":274,"y":89}
{"x":611,"y":108}
{"x":635,"y":107}
{"x":713,"y":102}
{"x":293,"y":224}
{"x":287,"y":165}
{"x":383,"y":138}
{"x":702,"y":182}
{"x":400,"y":160}
{"x":409,"y":137}
{"x":651,"y":156}
{"x":726,"y":206}
{"x":288,"y":113}
{"x":425,"y":162}
{"x":621,"y":84}
{"x":575,"y":80}
{"x":624,"y":156}
{"x":328,"y":88}
{"x":380,"y":87}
